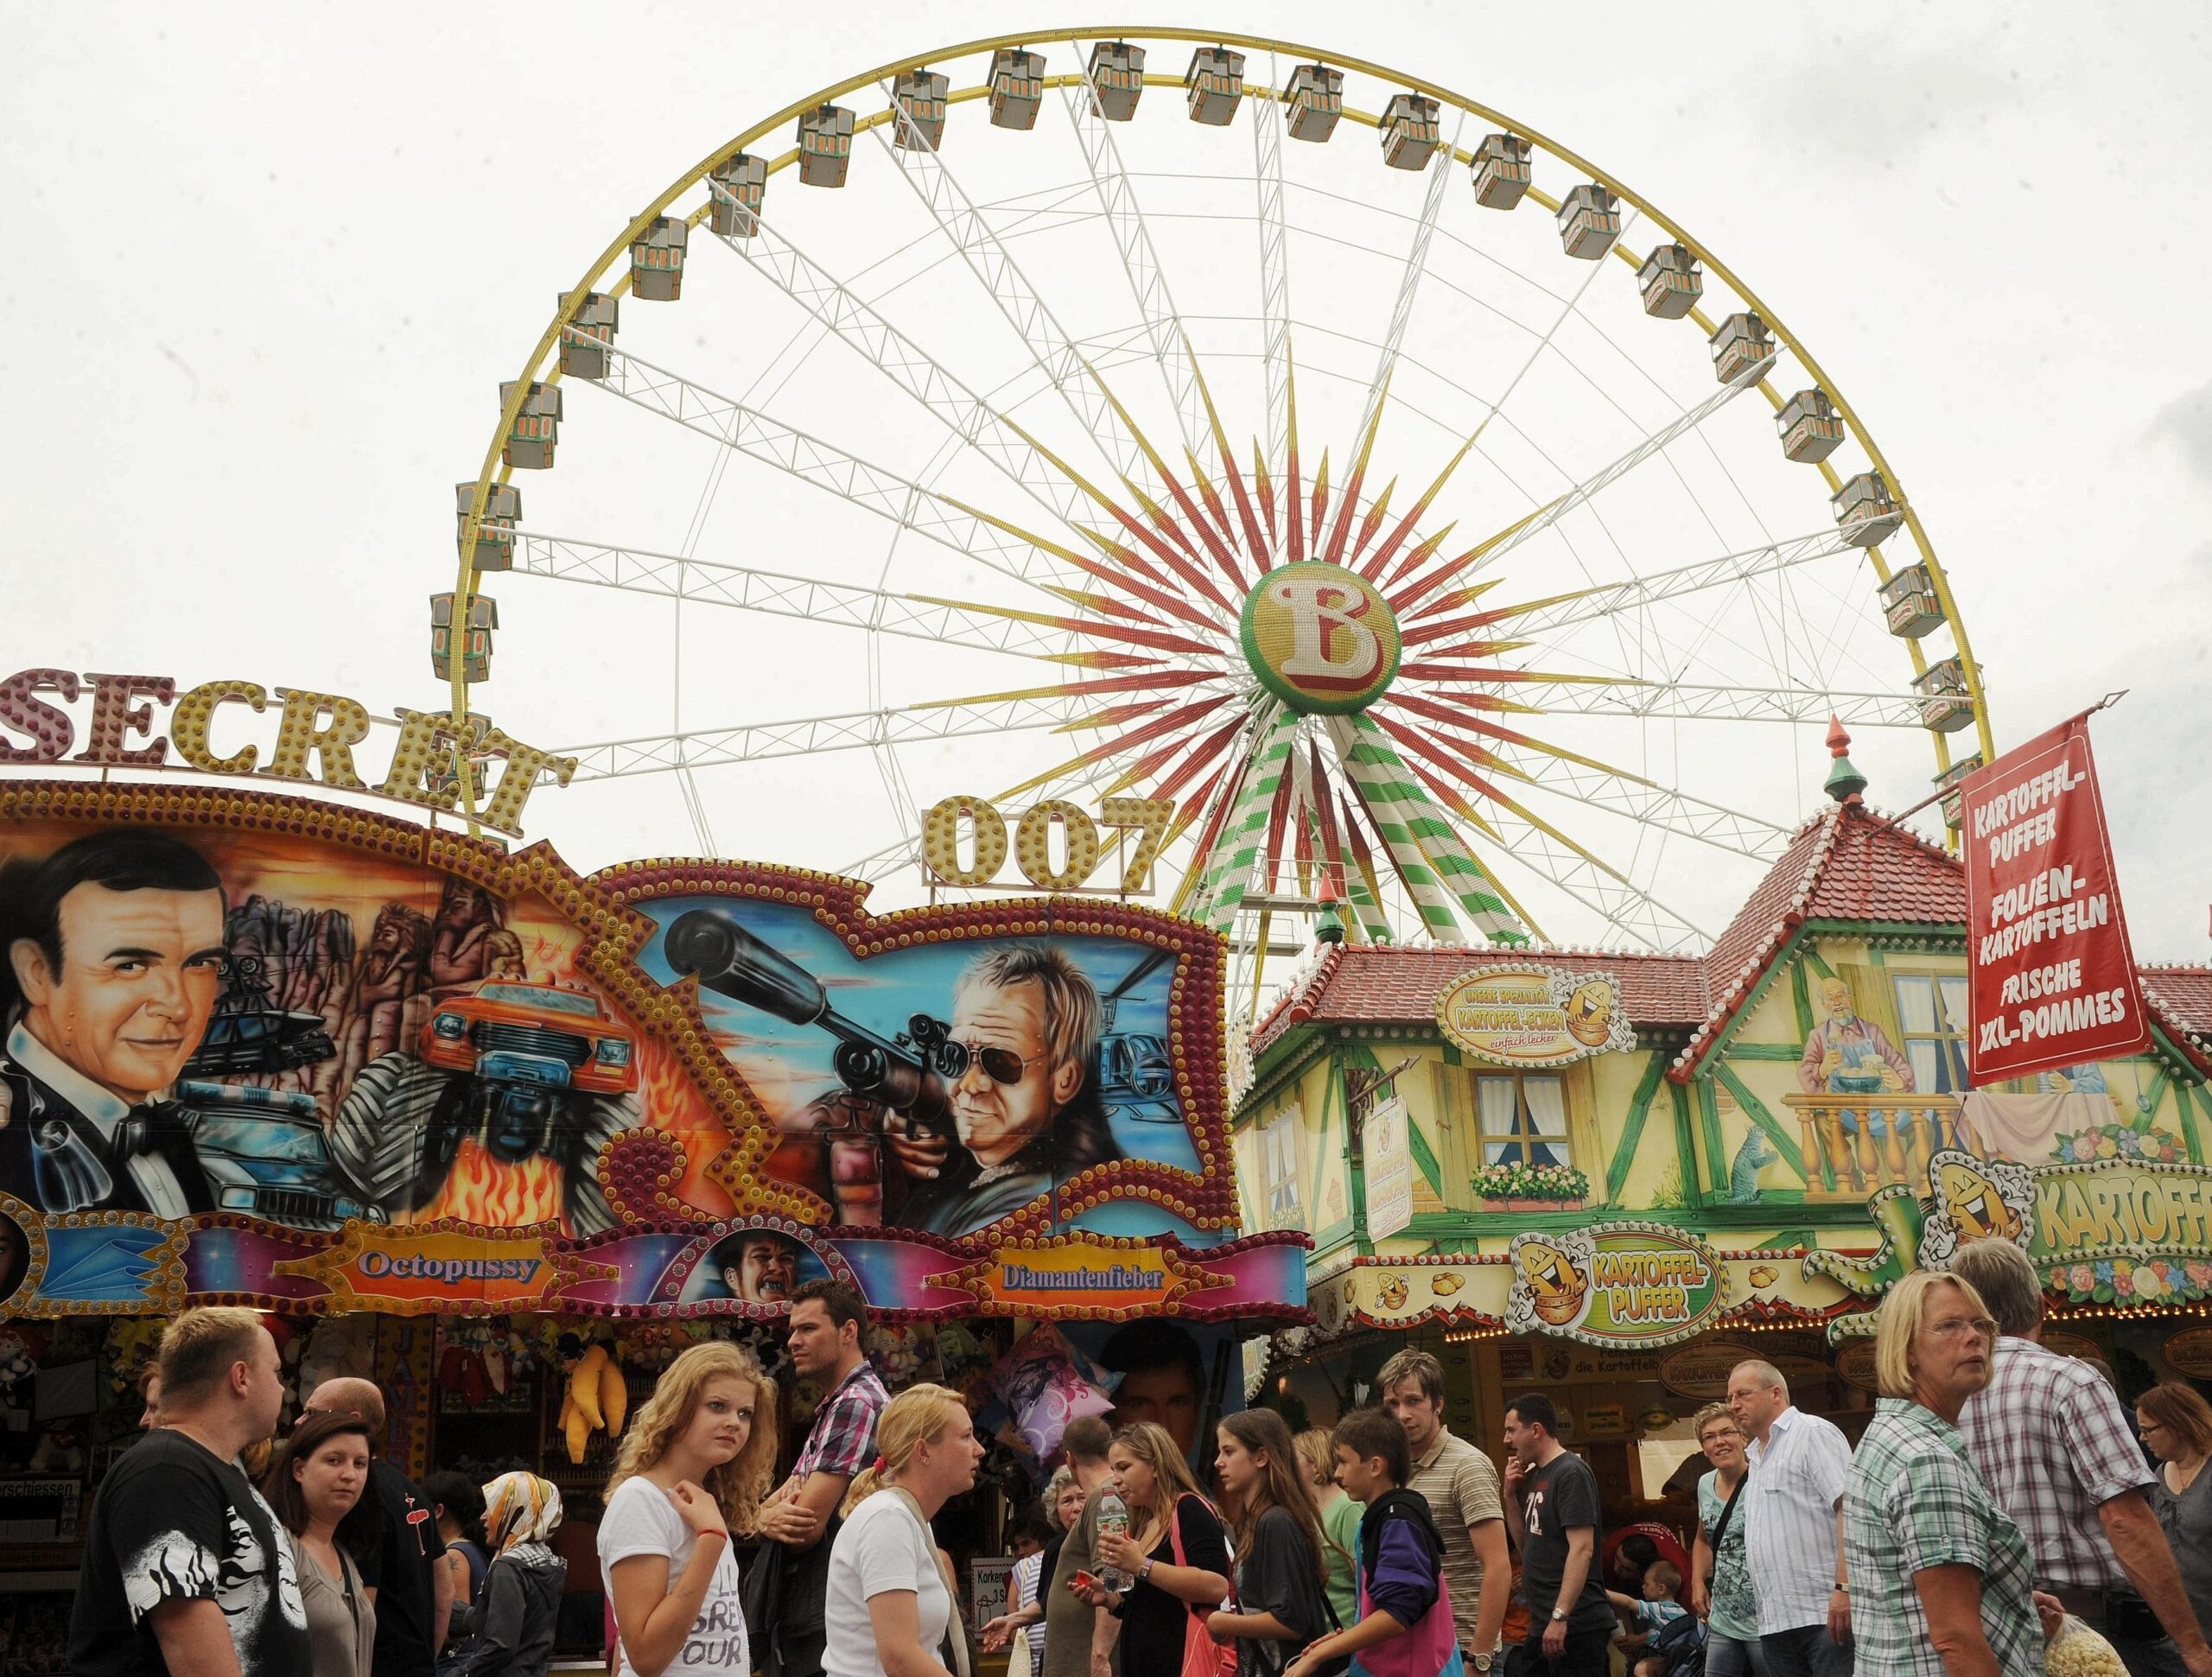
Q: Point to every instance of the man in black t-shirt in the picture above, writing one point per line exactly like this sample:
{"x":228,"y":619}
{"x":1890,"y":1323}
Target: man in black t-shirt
{"x":1552,"y":1509}
{"x":406,"y":1575}
{"x":185,"y":1566}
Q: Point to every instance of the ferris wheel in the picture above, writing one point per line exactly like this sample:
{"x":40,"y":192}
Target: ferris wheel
{"x":1202,"y":467}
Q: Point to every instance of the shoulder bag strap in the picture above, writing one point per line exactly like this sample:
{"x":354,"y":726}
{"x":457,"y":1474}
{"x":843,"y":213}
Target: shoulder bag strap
{"x":1721,"y":1530}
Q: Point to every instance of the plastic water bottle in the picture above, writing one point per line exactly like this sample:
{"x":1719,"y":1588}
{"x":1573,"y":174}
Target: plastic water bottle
{"x":1114,"y":1518}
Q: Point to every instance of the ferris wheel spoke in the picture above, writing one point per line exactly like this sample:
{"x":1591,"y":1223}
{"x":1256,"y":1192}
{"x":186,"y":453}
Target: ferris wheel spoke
{"x":1171,"y":344}
{"x":1070,"y":373}
{"x":1386,"y":365}
{"x":709,"y":582}
{"x":1590,"y":487}
{"x":1690,"y":702}
{"x":1537,"y":617}
{"x":858,"y":730}
{"x":1601,"y":785}
{"x":1274,"y":269}
{"x":1035,"y":469}
{"x":1533,"y":842}
{"x":992,"y":543}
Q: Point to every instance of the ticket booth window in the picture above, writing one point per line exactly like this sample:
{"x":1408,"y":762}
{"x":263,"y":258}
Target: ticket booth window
{"x":1523,"y":1119}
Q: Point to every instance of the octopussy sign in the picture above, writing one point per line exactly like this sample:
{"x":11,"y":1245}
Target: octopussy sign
{"x":2053,"y":980}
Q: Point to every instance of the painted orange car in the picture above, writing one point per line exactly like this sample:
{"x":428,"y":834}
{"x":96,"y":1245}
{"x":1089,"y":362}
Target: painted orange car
{"x":542,"y":1034}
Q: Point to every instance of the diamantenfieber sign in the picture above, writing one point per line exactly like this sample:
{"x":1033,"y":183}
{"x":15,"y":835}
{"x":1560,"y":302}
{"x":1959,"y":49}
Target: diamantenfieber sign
{"x":2052,"y":980}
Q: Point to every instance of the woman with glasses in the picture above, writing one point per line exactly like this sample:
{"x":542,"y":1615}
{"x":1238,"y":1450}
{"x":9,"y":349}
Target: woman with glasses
{"x":316,"y":1484}
{"x":1940,"y":1577}
{"x":1720,"y":1578}
{"x":2176,"y":1426}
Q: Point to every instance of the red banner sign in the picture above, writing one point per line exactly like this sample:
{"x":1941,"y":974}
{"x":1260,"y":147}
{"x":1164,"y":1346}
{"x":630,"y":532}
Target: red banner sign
{"x":2053,"y":979}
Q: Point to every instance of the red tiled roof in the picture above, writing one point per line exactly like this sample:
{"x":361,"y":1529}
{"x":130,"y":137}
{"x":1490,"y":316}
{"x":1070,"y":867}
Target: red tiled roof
{"x":1390,"y":984}
{"x":2182,"y":999}
{"x":1848,"y":863}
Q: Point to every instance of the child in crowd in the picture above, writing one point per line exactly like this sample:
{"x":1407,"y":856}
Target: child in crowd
{"x":1650,"y":1616}
{"x":1405,"y":1608}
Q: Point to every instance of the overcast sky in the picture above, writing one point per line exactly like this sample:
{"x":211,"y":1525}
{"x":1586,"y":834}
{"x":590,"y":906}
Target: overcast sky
{"x":264,"y":282}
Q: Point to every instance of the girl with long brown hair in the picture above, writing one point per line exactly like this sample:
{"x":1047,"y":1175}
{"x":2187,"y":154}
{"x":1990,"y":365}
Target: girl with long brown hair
{"x":317,"y":1483}
{"x":1280,"y":1570}
{"x":691,"y":1472}
{"x":1175,"y":1550}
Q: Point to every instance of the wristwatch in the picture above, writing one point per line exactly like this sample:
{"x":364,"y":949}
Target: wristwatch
{"x":1558,"y":1613}
{"x":1479,"y":1662}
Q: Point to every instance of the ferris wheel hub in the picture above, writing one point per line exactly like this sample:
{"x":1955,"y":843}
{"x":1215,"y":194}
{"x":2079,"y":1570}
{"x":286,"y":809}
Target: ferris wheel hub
{"x":1320,"y":638}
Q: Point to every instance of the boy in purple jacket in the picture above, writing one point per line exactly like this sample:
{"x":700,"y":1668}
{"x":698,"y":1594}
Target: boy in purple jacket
{"x":1405,"y":1626}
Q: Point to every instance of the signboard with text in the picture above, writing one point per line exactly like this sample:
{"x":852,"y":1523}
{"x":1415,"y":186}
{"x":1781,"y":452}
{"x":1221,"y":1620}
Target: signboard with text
{"x":2052,"y":981}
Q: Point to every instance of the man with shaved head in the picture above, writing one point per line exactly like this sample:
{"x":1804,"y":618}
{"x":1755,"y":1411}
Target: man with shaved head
{"x":406,"y":1575}
{"x":1793,"y":1526}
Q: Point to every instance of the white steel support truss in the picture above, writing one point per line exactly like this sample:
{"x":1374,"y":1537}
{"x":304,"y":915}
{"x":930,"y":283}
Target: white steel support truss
{"x":858,"y":730}
{"x":1637,"y":593}
{"x":707,"y":583}
{"x":968,"y":416}
{"x":825,"y":465}
{"x":1658,"y":442}
{"x":1401,"y":308}
{"x":1170,"y":345}
{"x":1685,"y":702}
{"x":1274,"y":269}
{"x":1664,"y":810}
{"x":1623,"y":905}
{"x":1069,"y":371}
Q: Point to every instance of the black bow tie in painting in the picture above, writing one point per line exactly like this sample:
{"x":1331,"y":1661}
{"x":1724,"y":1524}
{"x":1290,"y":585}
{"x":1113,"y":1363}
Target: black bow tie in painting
{"x":151,"y":1126}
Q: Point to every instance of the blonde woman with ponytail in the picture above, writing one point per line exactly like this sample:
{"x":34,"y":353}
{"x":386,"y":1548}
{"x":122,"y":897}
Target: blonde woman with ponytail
{"x":888,"y":1606}
{"x":689,"y":1476}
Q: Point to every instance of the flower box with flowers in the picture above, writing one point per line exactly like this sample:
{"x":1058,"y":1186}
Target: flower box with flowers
{"x":2120,"y":1143}
{"x":1532,"y":1187}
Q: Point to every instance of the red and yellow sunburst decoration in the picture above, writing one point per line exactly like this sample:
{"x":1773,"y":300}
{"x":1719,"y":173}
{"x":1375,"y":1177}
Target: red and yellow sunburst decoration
{"x":1314,"y":683}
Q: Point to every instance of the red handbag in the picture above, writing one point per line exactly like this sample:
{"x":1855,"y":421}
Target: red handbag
{"x":1202,"y":1655}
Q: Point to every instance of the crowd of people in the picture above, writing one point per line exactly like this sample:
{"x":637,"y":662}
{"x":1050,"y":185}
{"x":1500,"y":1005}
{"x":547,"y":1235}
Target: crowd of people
{"x":1997,"y":1495}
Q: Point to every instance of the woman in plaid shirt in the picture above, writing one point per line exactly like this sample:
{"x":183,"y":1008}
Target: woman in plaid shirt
{"x":1942,"y":1580}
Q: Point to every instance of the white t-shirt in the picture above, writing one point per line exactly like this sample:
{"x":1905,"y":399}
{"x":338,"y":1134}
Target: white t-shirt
{"x":641,"y":1519}
{"x":881,"y":1547}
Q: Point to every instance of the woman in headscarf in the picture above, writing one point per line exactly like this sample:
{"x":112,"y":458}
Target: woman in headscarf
{"x":513,"y":1622}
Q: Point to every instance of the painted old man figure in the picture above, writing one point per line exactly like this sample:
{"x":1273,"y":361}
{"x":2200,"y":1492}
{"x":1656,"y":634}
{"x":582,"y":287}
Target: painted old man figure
{"x":1024,"y":1103}
{"x":1848,"y":1054}
{"x":115,"y":952}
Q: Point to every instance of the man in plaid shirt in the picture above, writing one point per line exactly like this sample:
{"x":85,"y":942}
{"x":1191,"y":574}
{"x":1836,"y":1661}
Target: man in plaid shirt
{"x":828,"y":1322}
{"x":2051,"y":1437}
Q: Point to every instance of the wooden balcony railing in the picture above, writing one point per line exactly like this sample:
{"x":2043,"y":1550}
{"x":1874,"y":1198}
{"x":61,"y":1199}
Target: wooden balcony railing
{"x":1854,"y":1144}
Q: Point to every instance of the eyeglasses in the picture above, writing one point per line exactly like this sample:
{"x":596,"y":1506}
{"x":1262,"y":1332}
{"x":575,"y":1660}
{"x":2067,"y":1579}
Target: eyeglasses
{"x":1954,"y":1327}
{"x":1001,"y":1065}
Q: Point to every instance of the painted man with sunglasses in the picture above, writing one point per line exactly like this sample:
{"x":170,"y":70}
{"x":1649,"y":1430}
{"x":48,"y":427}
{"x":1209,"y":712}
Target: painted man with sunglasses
{"x":1025,"y":1106}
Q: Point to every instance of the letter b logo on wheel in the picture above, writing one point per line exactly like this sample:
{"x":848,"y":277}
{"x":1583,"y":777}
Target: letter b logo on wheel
{"x":1320,"y":638}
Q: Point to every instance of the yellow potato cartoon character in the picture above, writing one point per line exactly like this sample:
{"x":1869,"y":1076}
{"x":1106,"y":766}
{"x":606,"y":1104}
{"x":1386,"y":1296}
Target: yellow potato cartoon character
{"x":1973,"y":1204}
{"x":1590,"y":1013}
{"x":1393,"y":1293}
{"x":1556,"y":1285}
